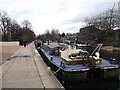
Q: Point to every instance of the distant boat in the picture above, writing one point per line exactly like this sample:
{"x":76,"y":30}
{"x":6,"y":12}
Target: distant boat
{"x":72,"y":63}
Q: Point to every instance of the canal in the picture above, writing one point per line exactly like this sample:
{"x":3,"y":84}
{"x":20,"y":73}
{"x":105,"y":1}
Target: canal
{"x":107,"y":84}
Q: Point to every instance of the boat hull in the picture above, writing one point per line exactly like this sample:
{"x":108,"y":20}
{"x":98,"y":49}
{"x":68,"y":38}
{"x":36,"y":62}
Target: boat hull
{"x":64,"y":75}
{"x":76,"y":75}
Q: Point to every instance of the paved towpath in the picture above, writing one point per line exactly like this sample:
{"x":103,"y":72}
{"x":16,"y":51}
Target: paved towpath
{"x":26,"y":69}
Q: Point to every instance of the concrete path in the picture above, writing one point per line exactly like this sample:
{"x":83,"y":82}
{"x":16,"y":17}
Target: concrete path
{"x":26,"y":69}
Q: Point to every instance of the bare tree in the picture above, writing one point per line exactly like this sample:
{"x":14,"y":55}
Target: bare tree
{"x":27,"y":31}
{"x":55,"y":35}
{"x":11,"y":30}
{"x":16,"y":30}
{"x":27,"y":25}
{"x":5,"y":24}
{"x":118,"y":15}
{"x":47,"y":34}
{"x":104,"y":21}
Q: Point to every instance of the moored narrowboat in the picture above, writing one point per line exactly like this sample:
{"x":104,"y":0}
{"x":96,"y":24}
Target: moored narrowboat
{"x":72,"y":63}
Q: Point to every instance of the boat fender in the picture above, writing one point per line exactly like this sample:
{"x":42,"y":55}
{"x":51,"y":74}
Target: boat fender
{"x":97,"y":58}
{"x":98,"y":61}
{"x":97,"y":55}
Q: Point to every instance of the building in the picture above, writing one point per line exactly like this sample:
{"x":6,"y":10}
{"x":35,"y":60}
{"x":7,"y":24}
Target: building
{"x":89,"y":33}
{"x":111,"y":35}
{"x":92,"y":34}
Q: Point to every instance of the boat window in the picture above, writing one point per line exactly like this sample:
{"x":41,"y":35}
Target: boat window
{"x":54,"y":51}
{"x":46,"y":48}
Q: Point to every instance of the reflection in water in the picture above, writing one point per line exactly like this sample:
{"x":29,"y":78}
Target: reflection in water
{"x":110,"y":84}
{"x":111,"y":54}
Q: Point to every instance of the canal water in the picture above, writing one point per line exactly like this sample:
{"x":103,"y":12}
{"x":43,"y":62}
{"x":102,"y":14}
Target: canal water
{"x":108,"y":84}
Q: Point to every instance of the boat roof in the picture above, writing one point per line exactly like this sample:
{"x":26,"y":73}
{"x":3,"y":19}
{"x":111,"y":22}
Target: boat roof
{"x":53,"y":45}
{"x":57,"y":60}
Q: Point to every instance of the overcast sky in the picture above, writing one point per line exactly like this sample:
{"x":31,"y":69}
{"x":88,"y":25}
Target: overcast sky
{"x":65,"y":15}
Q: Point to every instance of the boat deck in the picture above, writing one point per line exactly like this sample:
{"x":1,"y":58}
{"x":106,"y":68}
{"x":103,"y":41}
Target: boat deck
{"x":57,"y":61}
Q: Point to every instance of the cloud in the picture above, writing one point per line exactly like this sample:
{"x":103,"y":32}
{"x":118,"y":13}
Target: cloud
{"x":90,"y":10}
{"x":64,"y":15}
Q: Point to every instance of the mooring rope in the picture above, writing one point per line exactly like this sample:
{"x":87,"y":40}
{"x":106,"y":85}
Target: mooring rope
{"x":94,"y":50}
{"x":58,"y":69}
{"x":98,"y":47}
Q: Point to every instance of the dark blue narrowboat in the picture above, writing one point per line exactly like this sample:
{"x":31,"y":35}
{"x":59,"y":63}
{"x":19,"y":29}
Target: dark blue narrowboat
{"x":75,"y":64}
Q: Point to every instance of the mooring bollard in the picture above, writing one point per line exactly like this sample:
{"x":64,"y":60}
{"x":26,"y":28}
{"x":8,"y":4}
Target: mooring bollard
{"x":49,"y":69}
